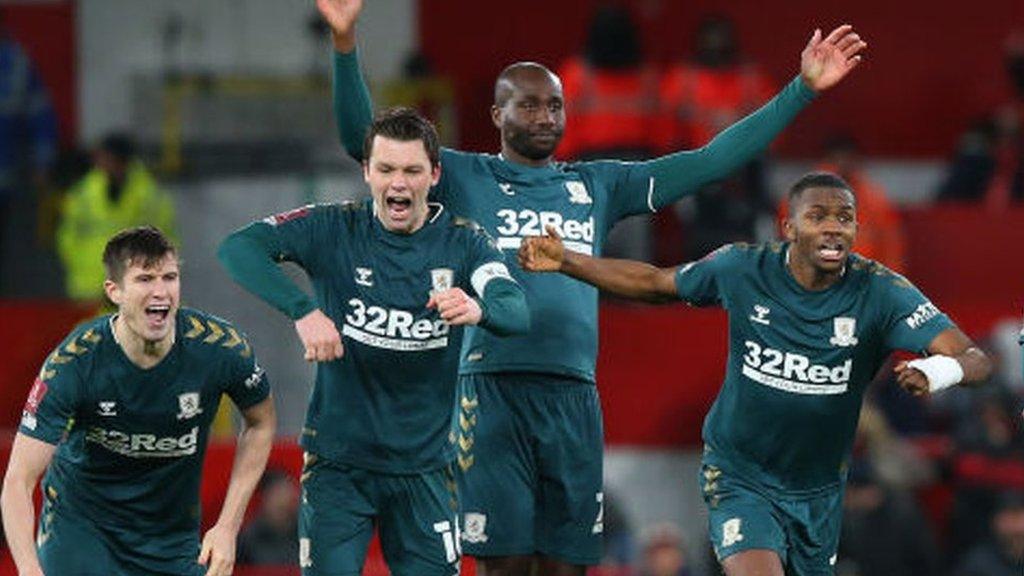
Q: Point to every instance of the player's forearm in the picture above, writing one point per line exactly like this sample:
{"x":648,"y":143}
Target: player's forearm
{"x":353,"y":108}
{"x":623,"y":278}
{"x":251,"y":455}
{"x":248,"y":256}
{"x":683,"y":173}
{"x":505,"y":312}
{"x":976,"y":366}
{"x":344,"y":42}
{"x":19,"y":525}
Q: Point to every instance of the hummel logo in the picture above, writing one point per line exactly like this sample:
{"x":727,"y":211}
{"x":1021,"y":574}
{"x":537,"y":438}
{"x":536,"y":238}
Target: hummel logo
{"x":760,"y":315}
{"x":107,"y":408}
{"x":506,"y":189}
{"x":363,"y":276}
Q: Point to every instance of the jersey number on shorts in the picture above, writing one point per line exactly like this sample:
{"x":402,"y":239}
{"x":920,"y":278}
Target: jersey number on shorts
{"x":452,"y":540}
{"x":599,"y":523}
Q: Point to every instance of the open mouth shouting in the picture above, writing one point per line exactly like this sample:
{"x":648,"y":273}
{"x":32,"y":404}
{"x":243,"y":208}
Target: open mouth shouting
{"x":156,"y":315}
{"x":831,"y":251}
{"x":398,"y":207}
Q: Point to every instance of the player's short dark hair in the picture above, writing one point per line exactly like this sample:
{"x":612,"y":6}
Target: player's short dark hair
{"x":504,"y":85}
{"x":405,"y":125}
{"x":143,"y":245}
{"x":818,"y":180}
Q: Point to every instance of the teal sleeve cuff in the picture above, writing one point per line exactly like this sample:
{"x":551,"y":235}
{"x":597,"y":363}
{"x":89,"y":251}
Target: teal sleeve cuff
{"x":803,"y":91}
{"x":250,"y":258}
{"x":353,"y":108}
{"x":504,"y":309}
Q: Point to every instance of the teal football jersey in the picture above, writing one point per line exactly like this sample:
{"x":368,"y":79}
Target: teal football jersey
{"x":583,"y":200}
{"x":799,"y":360}
{"x":511,"y":201}
{"x":388,"y":404}
{"x":130,"y":441}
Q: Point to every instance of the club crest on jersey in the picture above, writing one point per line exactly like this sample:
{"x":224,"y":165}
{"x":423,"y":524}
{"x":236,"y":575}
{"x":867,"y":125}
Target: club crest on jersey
{"x":441,"y":279}
{"x":760,"y":315}
{"x":188,"y":405}
{"x":844,"y":331}
{"x":35,"y":396}
{"x":474,"y":528}
{"x":364,"y":276}
{"x":107,"y":408}
{"x":578,"y":192}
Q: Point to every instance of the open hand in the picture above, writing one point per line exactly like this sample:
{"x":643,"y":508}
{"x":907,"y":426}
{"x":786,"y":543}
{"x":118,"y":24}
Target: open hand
{"x":826,"y":61}
{"x":341,"y":16}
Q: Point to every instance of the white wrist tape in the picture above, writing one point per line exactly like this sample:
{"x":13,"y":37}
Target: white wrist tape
{"x":941,"y":371}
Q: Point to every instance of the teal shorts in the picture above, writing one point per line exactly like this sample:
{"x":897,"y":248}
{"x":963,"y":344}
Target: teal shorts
{"x":73,"y":545}
{"x":802,"y":529}
{"x":416,"y":517}
{"x":530,"y":465}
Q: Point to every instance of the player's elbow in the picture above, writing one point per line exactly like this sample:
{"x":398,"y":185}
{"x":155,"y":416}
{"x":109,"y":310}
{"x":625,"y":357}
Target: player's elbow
{"x":519,"y":322}
{"x":231,"y":253}
{"x":509,"y":318}
{"x":657,"y":286}
{"x":227,"y":249}
{"x":17,"y":487}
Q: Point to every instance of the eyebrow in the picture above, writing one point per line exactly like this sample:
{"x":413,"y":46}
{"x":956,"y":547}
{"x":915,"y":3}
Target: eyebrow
{"x":827,"y":207}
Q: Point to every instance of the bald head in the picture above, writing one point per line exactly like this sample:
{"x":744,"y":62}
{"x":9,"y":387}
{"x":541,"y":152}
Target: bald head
{"x":515,"y":74}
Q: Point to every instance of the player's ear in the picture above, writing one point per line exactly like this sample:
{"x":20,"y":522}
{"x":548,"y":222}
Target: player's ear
{"x":366,"y":170}
{"x":113,"y":291}
{"x":435,"y":174}
{"x":789,"y":228}
{"x":496,"y":116}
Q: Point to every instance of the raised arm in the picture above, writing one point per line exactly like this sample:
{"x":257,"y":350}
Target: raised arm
{"x":625,"y":278}
{"x":218,"y":549}
{"x":824,"y":62}
{"x":954,"y":359}
{"x":353,"y":109}
{"x":29,"y":459}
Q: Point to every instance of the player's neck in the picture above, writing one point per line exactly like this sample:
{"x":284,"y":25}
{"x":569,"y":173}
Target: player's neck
{"x":509,"y":155}
{"x":143,"y":353}
{"x":809,"y":276}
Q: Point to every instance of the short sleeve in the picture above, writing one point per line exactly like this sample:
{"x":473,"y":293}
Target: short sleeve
{"x":53,"y":400}
{"x":911,"y":320}
{"x":699,"y":283}
{"x":245,"y":381}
